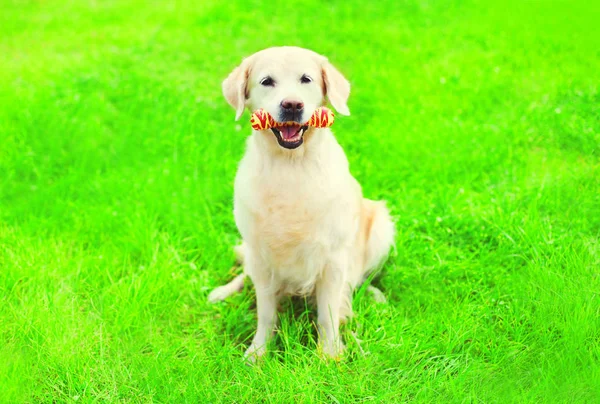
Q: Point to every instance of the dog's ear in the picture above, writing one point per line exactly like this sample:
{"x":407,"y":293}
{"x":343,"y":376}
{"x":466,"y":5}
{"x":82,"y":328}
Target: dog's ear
{"x":337,"y":88}
{"x":234,"y":87}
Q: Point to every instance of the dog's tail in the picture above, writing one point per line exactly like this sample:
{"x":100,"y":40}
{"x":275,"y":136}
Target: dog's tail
{"x":223,"y":292}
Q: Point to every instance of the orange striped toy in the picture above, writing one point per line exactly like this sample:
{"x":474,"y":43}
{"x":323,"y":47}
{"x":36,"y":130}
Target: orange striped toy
{"x":322,"y":118}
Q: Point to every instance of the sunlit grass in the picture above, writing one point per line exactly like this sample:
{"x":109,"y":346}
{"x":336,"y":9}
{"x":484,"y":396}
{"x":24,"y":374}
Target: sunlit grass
{"x":477,"y":122}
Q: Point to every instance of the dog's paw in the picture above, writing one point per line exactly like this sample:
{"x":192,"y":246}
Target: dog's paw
{"x":377,"y":294}
{"x":331,"y":349}
{"x":254,"y":353}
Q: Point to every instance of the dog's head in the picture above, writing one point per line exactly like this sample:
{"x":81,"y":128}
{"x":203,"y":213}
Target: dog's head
{"x":289,"y":83}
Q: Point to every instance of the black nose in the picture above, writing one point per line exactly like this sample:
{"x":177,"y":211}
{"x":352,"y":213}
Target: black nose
{"x":291,"y":110}
{"x":292,"y":105}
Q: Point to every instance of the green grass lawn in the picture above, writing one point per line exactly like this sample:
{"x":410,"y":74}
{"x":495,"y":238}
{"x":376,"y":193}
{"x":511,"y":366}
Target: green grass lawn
{"x":478,"y":122}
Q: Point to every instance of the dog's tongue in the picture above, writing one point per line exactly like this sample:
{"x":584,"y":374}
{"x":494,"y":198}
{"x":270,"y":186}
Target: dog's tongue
{"x":288,"y":132}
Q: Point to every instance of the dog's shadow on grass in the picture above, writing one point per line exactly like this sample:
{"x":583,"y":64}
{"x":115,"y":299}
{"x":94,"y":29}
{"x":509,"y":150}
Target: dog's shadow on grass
{"x":297,"y":321}
{"x":296,"y":316}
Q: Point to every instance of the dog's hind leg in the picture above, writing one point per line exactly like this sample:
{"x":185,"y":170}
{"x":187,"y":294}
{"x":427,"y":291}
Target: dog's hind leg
{"x":240,"y":253}
{"x":380,"y":232}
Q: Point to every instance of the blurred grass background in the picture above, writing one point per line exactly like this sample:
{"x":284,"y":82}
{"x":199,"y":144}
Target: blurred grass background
{"x":478,"y":121}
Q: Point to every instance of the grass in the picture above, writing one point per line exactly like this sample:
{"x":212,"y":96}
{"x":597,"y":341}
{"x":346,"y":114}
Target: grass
{"x":478,"y":121}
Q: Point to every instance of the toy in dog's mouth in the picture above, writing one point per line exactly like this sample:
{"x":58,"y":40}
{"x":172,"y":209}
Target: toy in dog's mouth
{"x":290,"y":135}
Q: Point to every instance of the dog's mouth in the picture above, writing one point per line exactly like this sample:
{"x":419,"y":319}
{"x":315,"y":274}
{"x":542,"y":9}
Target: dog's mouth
{"x":290,"y":134}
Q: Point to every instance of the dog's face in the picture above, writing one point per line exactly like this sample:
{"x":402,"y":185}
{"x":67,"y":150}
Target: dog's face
{"x":289,"y":83}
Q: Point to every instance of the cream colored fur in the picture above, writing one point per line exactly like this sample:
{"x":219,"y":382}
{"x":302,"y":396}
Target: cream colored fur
{"x":306,"y":228}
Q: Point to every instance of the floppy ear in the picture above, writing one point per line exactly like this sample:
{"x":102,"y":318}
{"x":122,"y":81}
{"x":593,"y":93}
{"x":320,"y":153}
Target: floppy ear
{"x":337,"y":88}
{"x":234,"y":88}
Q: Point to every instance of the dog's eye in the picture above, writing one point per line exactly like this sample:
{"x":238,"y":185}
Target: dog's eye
{"x":305,"y":79}
{"x":267,"y":82}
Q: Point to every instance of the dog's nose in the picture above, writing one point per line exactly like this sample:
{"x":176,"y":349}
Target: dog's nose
{"x":292,"y":105}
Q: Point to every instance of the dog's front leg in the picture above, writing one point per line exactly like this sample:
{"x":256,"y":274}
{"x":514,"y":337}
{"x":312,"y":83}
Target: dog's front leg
{"x":266,"y":308}
{"x":329,"y":296}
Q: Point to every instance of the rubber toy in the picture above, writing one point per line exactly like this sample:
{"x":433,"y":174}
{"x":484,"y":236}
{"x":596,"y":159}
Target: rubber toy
{"x":322,"y":118}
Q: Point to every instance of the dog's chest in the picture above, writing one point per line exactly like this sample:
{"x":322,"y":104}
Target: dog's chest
{"x":294,"y":219}
{"x":295,"y":224}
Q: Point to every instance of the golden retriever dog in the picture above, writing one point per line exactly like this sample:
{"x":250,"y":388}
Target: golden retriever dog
{"x":306,"y":228}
